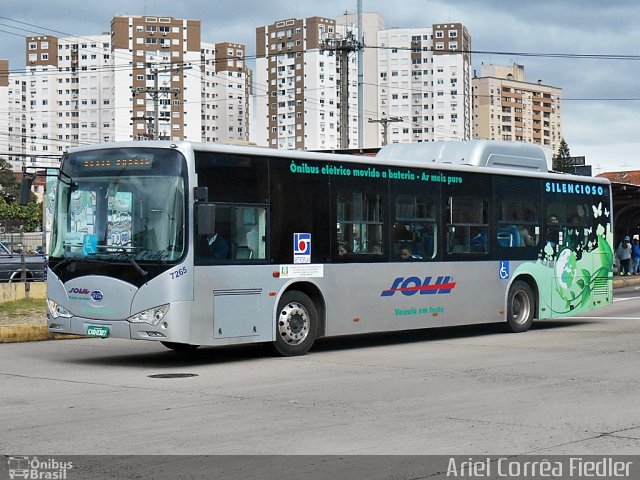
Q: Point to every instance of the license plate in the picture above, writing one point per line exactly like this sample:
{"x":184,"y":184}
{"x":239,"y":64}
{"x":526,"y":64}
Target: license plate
{"x":101,"y":331}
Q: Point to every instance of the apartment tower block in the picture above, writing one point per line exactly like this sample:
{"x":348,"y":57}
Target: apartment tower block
{"x":506,"y":107}
{"x":297,"y":87}
{"x":425,"y":83}
{"x":157,"y":69}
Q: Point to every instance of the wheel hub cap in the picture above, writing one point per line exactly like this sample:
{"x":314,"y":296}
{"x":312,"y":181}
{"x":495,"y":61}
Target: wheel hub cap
{"x":293,"y":323}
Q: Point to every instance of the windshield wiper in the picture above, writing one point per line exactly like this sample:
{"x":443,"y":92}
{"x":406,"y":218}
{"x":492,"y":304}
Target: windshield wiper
{"x":126,"y":252}
{"x":156,"y":255}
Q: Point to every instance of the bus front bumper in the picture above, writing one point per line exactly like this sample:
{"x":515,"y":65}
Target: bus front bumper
{"x":106,"y":328}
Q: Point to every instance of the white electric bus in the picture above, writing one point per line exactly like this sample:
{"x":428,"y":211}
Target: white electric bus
{"x":204,"y":244}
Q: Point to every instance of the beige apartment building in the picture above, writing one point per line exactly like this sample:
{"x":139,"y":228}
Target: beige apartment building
{"x":506,"y":107}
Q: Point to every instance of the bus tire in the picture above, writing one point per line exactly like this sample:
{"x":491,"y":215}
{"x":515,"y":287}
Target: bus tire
{"x":520,"y":307}
{"x":296,"y":324}
{"x":180,"y":347}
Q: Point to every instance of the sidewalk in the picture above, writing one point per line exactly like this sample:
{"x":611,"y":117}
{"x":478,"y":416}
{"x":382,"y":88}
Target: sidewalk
{"x":625,"y":281}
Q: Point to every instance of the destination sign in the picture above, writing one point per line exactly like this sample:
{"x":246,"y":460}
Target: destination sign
{"x":117,"y":163}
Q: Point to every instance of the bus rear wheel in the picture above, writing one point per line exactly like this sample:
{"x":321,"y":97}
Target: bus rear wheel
{"x":180,"y":347}
{"x":296,"y":324}
{"x":520,"y":307}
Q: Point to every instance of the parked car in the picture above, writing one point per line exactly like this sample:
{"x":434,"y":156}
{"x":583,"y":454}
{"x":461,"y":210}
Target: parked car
{"x":12,"y":266}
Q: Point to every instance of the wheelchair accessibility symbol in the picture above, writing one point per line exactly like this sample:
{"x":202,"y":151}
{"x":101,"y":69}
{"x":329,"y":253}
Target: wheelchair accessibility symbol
{"x":503,"y":272}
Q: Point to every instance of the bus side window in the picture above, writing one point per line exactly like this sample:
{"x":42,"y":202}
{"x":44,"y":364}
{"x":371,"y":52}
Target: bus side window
{"x":414,"y":230}
{"x":250,"y":233}
{"x":568,"y":223}
{"x":231,"y":233}
{"x":359,"y":226}
{"x":468,"y":225}
{"x":517,"y":224}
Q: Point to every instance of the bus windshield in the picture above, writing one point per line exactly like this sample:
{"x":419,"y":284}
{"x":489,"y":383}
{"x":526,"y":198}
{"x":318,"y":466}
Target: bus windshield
{"x":125,"y":204}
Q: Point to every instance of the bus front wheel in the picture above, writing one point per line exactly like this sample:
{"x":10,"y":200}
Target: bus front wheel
{"x":520,"y":307}
{"x":296,"y":324}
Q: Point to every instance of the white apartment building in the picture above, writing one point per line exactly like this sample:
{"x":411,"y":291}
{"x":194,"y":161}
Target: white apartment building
{"x":63,"y":99}
{"x":4,"y":109}
{"x":506,"y":107}
{"x":111,"y":87}
{"x":14,"y":142}
{"x":157,"y":70}
{"x":372,"y":23}
{"x":424,"y":84}
{"x":226,"y":84}
{"x":297,"y":88}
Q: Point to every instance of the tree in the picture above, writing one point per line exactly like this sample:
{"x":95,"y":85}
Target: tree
{"x":562,"y":161}
{"x":9,"y":186}
{"x":12,"y":215}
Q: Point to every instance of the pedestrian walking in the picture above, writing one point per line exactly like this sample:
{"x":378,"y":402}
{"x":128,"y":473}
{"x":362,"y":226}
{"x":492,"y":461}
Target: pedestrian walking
{"x":635,"y":255}
{"x":623,"y":252}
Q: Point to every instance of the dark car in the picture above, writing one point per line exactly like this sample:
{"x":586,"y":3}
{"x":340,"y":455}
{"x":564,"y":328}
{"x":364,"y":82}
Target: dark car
{"x":13,"y":265}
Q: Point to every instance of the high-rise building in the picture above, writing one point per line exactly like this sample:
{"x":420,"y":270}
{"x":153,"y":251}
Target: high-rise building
{"x":148,"y":78}
{"x":14,"y":140}
{"x":68,"y":85}
{"x":4,"y":109}
{"x":424,"y":84}
{"x":157,"y":77}
{"x":297,"y":91}
{"x":506,"y":107}
{"x":372,"y":23}
{"x":226,"y":82}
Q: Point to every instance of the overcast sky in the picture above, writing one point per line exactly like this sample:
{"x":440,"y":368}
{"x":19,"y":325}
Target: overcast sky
{"x":601,"y":100}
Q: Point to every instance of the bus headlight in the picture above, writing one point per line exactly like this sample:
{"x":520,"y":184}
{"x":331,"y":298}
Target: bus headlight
{"x":151,"y":316}
{"x":56,"y":310}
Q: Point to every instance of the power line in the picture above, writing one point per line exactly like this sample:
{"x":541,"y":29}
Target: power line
{"x":274,"y":54}
{"x":342,"y":47}
{"x":385,"y":123}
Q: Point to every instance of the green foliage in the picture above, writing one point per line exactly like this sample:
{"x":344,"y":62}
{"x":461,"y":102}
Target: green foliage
{"x":13,"y":215}
{"x":9,"y":186}
{"x":24,"y":307}
{"x":562,"y":161}
{"x":29,"y":216}
{"x":25,"y":311}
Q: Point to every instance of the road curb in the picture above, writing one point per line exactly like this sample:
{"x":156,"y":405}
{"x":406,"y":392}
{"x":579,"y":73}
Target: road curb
{"x":29,"y":333}
{"x":625,"y":281}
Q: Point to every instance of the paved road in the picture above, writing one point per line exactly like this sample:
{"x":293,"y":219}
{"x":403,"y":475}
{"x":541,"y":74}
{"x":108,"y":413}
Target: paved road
{"x":565,"y":387}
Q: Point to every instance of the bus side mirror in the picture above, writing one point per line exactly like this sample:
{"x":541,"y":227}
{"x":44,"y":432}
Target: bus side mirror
{"x":25,"y":188}
{"x":206,"y":219}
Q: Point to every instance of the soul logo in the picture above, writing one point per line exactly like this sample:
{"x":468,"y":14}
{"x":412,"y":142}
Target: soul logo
{"x":412,"y":285}
{"x":96,"y":295}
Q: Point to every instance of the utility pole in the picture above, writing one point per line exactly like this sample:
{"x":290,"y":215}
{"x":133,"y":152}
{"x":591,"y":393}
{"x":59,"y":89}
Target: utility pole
{"x":360,"y":78}
{"x":155,"y":93}
{"x":342,"y":48}
{"x":385,"y":125}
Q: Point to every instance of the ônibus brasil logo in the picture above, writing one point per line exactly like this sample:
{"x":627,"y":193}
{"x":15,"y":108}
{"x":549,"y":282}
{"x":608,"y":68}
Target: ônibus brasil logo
{"x":412,"y":285}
